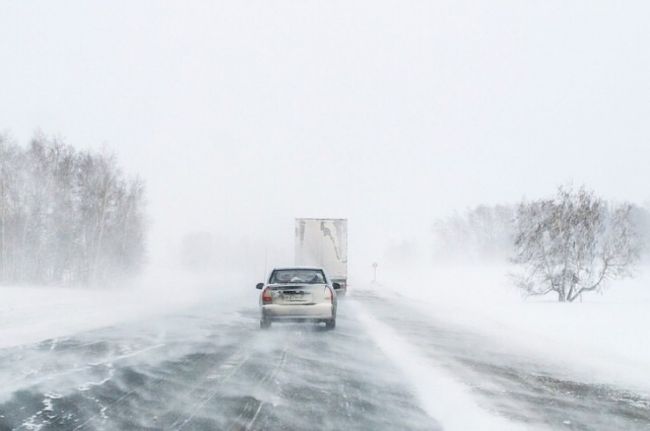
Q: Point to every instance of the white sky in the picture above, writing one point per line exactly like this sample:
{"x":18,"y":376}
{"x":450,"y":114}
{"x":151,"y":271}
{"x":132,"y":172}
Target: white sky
{"x":242,"y":115}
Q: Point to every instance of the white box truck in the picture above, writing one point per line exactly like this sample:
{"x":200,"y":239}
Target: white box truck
{"x":323,"y":243}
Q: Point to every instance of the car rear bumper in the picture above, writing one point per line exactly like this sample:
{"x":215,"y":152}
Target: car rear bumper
{"x":298,"y":312}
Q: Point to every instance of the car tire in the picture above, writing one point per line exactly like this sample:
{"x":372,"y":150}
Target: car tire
{"x":265,"y":324}
{"x":330,"y":324}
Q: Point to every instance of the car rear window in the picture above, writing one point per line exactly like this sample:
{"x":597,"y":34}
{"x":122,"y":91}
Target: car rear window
{"x":306,"y":276}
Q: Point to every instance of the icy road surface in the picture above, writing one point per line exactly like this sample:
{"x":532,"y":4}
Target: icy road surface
{"x":385,"y":367}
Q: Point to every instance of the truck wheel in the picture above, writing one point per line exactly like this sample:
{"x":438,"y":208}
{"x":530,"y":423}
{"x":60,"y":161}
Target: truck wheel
{"x":265,"y":323}
{"x":330,"y":324}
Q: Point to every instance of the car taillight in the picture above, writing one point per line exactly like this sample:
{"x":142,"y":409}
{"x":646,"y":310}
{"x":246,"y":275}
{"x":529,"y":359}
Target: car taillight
{"x":329,"y":295}
{"x":266,"y":296}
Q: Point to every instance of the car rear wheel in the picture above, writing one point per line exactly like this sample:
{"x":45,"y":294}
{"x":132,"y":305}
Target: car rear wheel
{"x":265,"y":323}
{"x":330,"y":324}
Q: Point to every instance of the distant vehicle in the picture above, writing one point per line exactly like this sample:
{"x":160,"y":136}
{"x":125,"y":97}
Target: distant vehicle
{"x":323,"y":243}
{"x":298,"y":294}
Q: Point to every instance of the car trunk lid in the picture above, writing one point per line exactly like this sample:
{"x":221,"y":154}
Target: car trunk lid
{"x":294,"y":294}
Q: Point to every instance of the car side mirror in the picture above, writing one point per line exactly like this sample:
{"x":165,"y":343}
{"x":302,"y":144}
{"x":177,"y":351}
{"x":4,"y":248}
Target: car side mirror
{"x":336,"y":286}
{"x":259,"y":286}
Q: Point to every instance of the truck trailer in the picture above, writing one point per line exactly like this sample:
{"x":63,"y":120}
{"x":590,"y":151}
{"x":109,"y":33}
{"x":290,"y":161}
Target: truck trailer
{"x":323,"y":242}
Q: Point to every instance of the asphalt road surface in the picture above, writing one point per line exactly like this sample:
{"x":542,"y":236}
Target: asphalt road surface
{"x":201,"y":370}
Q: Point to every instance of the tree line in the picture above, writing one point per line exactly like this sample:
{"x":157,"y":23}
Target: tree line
{"x":568,"y":244}
{"x":484,"y":233}
{"x":67,"y":216}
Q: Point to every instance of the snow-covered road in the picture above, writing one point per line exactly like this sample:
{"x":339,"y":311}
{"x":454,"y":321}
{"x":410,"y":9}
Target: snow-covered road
{"x":387,"y":366}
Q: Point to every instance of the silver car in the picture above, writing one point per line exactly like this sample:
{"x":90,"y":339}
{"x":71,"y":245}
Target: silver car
{"x":298,"y":294}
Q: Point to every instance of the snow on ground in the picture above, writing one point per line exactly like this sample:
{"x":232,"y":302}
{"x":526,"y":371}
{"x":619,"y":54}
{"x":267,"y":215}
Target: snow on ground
{"x":604,"y":339}
{"x":32,"y":314}
{"x":441,"y":396}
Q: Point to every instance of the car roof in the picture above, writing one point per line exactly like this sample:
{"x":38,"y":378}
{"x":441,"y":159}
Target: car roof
{"x":315,"y":268}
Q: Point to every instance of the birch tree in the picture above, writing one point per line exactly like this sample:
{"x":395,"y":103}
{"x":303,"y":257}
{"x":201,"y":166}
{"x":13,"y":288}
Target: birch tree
{"x":67,"y":216}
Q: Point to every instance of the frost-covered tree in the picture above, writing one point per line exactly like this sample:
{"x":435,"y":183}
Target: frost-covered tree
{"x":12,"y":175}
{"x":66,"y":216}
{"x":640,"y":216}
{"x":573,"y":244}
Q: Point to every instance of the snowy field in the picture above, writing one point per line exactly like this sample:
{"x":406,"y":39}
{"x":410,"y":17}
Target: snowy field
{"x":32,"y":314}
{"x":604,"y":338}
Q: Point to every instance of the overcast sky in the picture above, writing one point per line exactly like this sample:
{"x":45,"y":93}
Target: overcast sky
{"x":242,"y":115}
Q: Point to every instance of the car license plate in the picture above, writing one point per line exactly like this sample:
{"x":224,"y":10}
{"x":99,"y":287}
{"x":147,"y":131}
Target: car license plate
{"x":294,"y":298}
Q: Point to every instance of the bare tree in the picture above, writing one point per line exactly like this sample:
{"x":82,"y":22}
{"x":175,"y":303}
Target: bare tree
{"x":483,"y":233}
{"x":573,"y":244}
{"x":12,"y":213}
{"x":67,"y":216}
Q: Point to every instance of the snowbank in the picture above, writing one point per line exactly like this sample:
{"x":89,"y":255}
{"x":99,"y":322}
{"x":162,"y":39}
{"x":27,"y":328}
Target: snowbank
{"x":32,"y":314}
{"x":441,"y":396}
{"x":604,"y":339}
